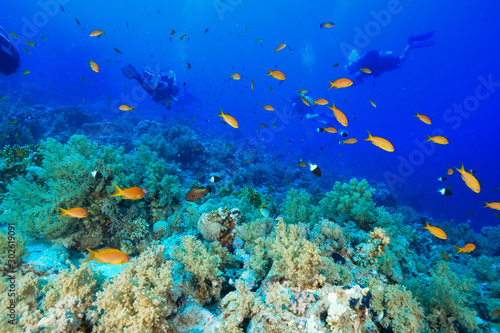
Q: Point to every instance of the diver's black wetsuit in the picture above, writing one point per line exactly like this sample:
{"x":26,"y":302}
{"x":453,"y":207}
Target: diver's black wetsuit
{"x":9,"y":56}
{"x":379,"y":62}
{"x":162,"y":87}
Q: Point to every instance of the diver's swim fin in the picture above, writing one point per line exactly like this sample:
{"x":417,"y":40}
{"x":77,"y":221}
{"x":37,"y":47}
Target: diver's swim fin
{"x":420,"y":38}
{"x":130,"y":72}
{"x":422,"y":44}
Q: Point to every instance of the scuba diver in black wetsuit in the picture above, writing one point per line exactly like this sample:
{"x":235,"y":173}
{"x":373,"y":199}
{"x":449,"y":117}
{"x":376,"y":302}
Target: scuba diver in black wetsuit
{"x":162,"y":87}
{"x":9,"y":56}
{"x":379,"y":62}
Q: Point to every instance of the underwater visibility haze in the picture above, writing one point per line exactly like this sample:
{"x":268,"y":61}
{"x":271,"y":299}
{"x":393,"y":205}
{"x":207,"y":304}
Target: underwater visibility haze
{"x":249,"y":166}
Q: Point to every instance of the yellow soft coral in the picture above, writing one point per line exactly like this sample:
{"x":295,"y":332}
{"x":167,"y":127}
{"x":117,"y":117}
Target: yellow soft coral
{"x":139,"y":299}
{"x":295,"y":258}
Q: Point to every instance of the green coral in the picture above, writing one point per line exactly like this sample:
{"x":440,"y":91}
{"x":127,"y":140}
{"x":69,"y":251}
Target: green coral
{"x":297,"y":207}
{"x":64,"y":180}
{"x":350,"y":201}
{"x":447,"y":294}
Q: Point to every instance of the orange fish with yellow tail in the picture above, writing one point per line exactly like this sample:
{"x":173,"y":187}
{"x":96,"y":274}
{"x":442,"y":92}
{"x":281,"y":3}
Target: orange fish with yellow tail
{"x":466,"y":249}
{"x":380,"y":142}
{"x":107,"y":256}
{"x":77,"y":212}
{"x":131,"y":193}
{"x":469,"y":179}
{"x":439,"y":233}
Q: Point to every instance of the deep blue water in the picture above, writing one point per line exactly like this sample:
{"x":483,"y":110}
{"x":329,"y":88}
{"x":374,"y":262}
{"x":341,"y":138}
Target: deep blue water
{"x":432,"y":81}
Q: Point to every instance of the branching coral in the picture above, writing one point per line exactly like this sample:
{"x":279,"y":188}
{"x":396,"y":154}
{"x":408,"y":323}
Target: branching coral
{"x":297,"y":208}
{"x":404,"y":314}
{"x":203,"y":279}
{"x":294,"y":257}
{"x":139,"y":299}
{"x":236,"y":306}
{"x":446,"y":297}
{"x":82,"y":283}
{"x":350,"y":201}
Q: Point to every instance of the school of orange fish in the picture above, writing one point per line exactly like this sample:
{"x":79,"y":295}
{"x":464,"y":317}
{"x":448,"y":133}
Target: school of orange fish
{"x":115,"y":257}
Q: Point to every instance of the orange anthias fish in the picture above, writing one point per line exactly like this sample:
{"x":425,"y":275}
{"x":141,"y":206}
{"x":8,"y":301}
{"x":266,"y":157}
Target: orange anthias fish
{"x":198,"y":192}
{"x":349,"y":141}
{"x":469,"y":179}
{"x":125,"y":107}
{"x":340,"y":83}
{"x":449,"y":172}
{"x":280,"y":47}
{"x":96,"y":33}
{"x":108,"y":256}
{"x":131,"y":193}
{"x":327,"y":129}
{"x":365,"y":70}
{"x":423,"y":118}
{"x":339,"y":115}
{"x":251,"y":84}
{"x":435,"y":231}
{"x":373,"y":103}
{"x":268,"y":108}
{"x":305,"y":101}
{"x":437,"y":139}
{"x":74,"y":212}
{"x":235,"y":76}
{"x":380,"y":142}
{"x":94,"y":66}
{"x":276,"y":74}
{"x":492,"y":205}
{"x":466,"y":249}
{"x":228,"y":119}
{"x":320,"y":101}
